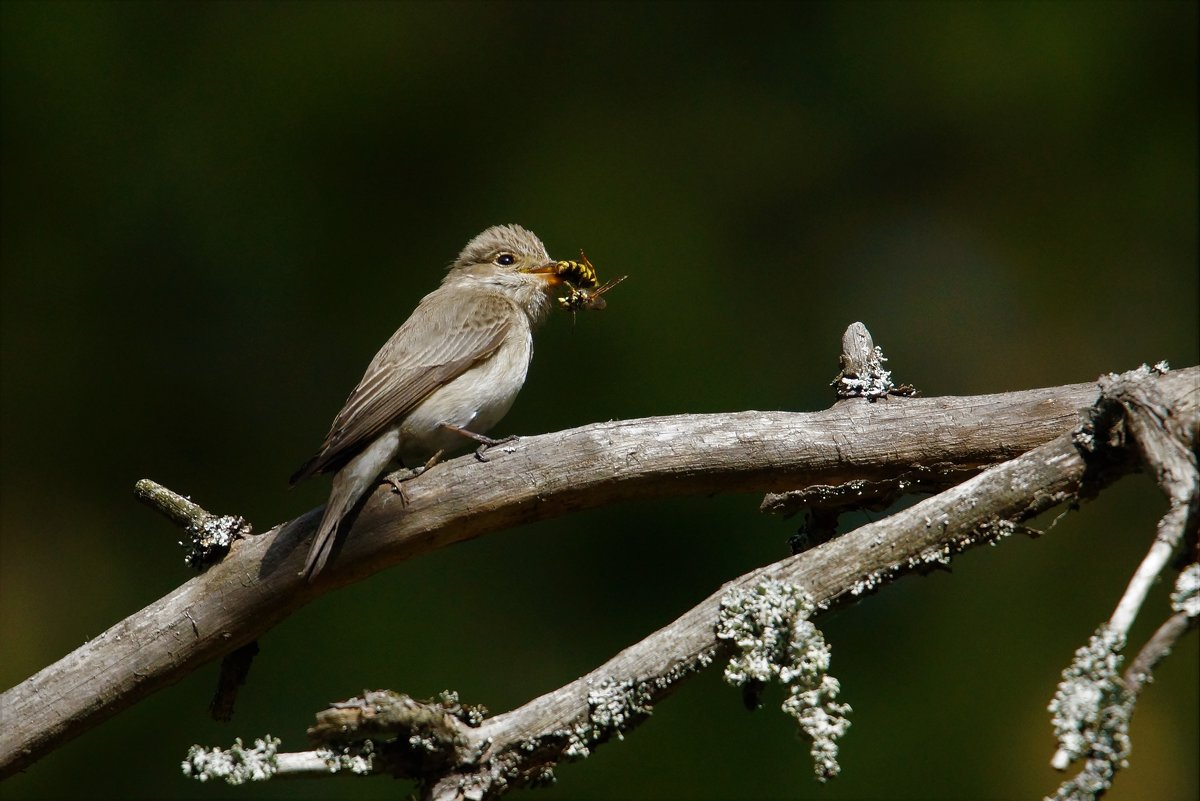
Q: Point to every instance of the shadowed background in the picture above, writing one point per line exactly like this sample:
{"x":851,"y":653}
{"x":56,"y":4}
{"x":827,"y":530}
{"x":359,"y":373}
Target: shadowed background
{"x":214,"y":214}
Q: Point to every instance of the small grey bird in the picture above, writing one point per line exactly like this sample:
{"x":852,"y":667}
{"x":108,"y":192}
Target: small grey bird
{"x":449,"y":373}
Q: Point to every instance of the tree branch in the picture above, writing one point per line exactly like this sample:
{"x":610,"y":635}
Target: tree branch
{"x":1093,"y":704}
{"x":1165,"y":440}
{"x":522,"y":746}
{"x":540,"y":477}
{"x":979,"y":511}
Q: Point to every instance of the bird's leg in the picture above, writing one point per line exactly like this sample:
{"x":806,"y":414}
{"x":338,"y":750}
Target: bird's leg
{"x":485,"y":442}
{"x":413,"y":473}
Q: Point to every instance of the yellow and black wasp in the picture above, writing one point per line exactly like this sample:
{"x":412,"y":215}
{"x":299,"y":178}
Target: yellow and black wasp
{"x":581,"y":277}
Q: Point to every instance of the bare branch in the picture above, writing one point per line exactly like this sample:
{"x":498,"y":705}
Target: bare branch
{"x":1138,"y":674}
{"x":978,"y":511}
{"x":521,"y":746}
{"x":1166,"y":442}
{"x":1093,"y":704}
{"x":209,"y":536}
{"x":541,"y":477}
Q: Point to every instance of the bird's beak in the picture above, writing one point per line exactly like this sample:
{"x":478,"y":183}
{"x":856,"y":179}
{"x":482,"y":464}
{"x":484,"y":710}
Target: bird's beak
{"x":548,"y":272}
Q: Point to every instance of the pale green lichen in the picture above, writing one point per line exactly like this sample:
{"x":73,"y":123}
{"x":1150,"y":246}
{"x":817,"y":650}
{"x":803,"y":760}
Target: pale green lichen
{"x":1186,"y":595}
{"x":209,"y":539}
{"x":235,"y":765}
{"x":1090,"y":714}
{"x":1093,"y":705}
{"x":616,"y":705}
{"x":471,"y":714}
{"x":426,"y":743}
{"x":870,"y":582}
{"x":776,"y":641}
{"x":613,"y":706}
{"x":358,"y":758}
{"x":876,"y":383}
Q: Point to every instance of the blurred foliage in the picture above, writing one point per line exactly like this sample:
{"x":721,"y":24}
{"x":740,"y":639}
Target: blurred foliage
{"x":214,"y":213}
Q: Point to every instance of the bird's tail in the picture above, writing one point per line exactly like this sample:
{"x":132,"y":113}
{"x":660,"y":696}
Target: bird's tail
{"x":322,"y":545}
{"x":343,"y":496}
{"x":349,"y":484}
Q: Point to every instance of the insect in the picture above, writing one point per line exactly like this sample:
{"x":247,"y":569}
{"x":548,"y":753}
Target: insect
{"x":588,"y":298}
{"x":579,"y":274}
{"x":581,"y":277}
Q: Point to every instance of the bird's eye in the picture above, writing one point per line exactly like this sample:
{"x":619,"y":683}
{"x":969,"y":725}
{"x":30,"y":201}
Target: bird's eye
{"x":506,"y":259}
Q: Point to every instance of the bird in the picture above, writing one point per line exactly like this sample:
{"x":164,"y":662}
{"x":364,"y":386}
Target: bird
{"x":449,"y":373}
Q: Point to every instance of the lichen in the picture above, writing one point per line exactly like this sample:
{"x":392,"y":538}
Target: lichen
{"x":1090,"y":714}
{"x":616,"y":705}
{"x":769,"y":624}
{"x":1186,"y":595}
{"x":613,"y":706}
{"x":876,"y":383}
{"x":471,"y":714}
{"x":358,"y":758}
{"x":870,"y":582}
{"x":234,"y":765}
{"x":210,"y":538}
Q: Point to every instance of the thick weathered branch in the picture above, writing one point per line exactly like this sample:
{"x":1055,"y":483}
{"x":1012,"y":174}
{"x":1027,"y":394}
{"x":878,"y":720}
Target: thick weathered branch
{"x":540,"y":477}
{"x":978,"y":511}
{"x":524,"y":745}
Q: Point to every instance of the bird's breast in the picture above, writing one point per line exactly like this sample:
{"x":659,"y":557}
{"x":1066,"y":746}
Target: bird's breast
{"x":476,"y":401}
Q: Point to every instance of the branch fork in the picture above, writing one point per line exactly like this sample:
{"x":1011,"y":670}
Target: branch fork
{"x":759,"y":623}
{"x":995,"y":462}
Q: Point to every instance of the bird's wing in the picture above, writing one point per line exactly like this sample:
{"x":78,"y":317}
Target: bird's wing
{"x":438,"y":343}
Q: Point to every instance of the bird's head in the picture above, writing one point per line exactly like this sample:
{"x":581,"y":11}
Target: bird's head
{"x":507,"y":250}
{"x":514,"y":261}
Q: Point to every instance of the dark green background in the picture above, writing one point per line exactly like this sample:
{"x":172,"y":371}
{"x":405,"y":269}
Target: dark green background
{"x":213,"y":214}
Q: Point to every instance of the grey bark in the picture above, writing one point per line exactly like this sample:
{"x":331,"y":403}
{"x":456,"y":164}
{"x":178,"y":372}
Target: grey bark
{"x":540,"y":477}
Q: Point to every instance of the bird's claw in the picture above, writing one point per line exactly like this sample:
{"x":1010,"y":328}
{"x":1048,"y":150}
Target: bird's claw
{"x":397,"y":483}
{"x":491,"y":443}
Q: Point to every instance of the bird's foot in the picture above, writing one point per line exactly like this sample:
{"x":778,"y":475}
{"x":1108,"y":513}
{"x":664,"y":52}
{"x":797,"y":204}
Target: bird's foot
{"x":397,"y":484}
{"x":491,"y":443}
{"x":485,"y":442}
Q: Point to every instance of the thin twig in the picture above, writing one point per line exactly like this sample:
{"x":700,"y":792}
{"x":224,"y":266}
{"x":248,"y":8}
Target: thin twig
{"x":1157,"y":648}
